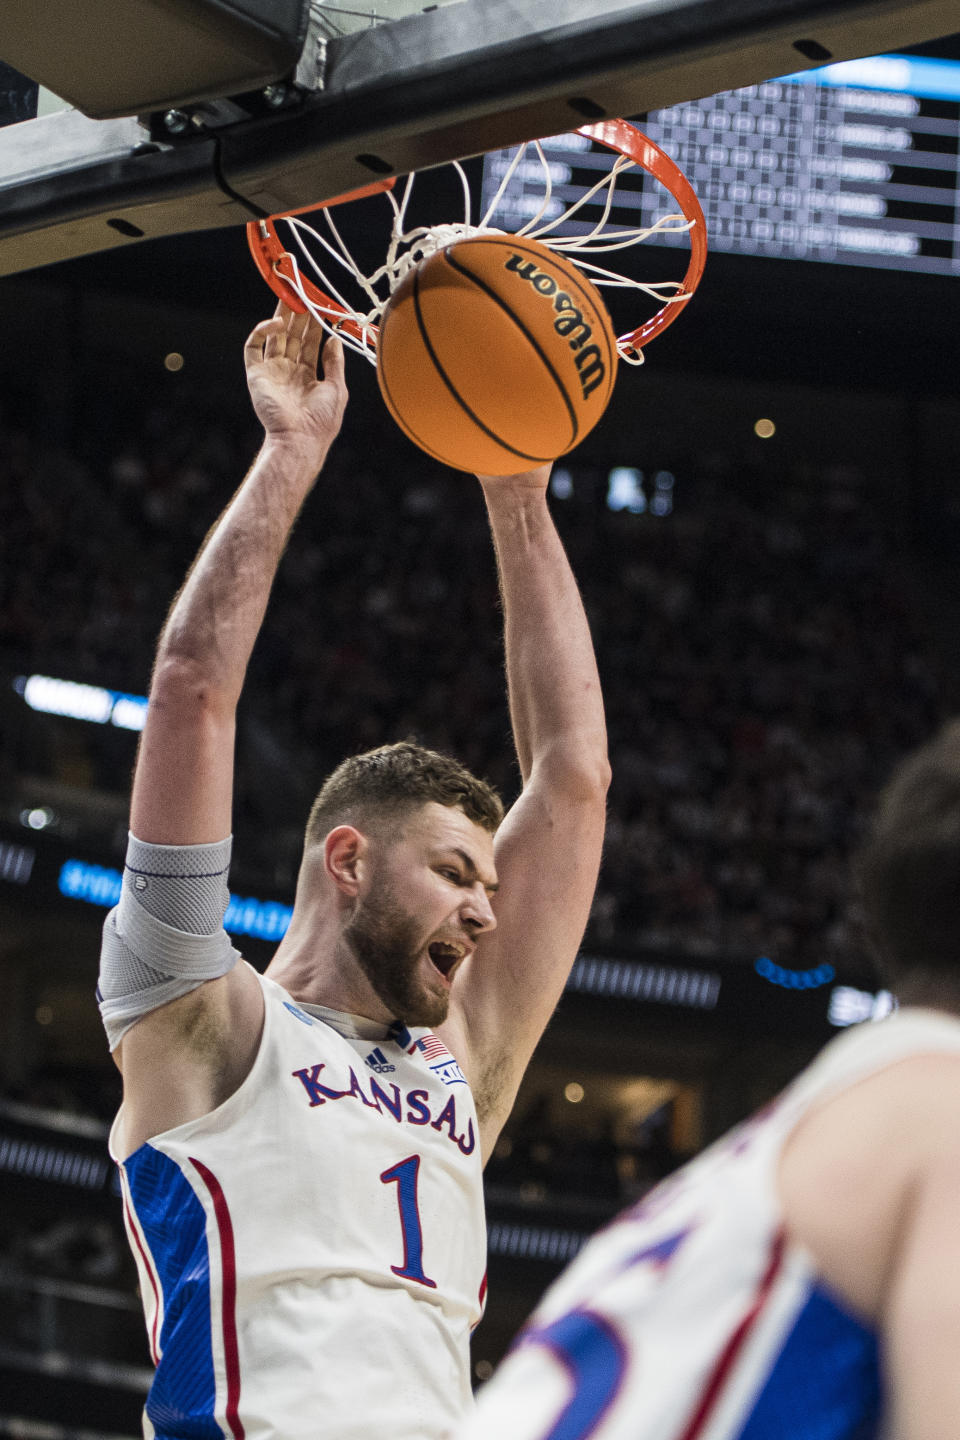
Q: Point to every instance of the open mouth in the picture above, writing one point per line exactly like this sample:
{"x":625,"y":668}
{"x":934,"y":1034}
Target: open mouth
{"x":444,"y":956}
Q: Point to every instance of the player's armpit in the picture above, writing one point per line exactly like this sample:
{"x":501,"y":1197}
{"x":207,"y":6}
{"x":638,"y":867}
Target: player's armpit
{"x":921,"y":1315}
{"x":184,"y":1060}
{"x":182,"y":1017}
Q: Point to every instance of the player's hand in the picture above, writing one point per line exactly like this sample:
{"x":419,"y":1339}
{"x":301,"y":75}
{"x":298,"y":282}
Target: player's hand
{"x":281,"y":357}
{"x":537,"y":479}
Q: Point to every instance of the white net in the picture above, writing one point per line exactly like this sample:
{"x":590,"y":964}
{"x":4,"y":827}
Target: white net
{"x":317,"y":253}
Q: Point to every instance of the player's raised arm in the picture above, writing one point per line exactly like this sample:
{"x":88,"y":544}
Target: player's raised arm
{"x":548,"y":848}
{"x":168,"y":923}
{"x":183,"y":784}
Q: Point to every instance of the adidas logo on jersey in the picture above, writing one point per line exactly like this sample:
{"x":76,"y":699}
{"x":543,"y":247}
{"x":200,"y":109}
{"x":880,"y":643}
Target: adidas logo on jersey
{"x":379,"y":1062}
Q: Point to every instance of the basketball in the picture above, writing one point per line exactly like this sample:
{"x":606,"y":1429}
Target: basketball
{"x":496,"y":355}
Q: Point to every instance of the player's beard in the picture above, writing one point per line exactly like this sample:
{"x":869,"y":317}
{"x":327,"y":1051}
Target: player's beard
{"x":386,"y":941}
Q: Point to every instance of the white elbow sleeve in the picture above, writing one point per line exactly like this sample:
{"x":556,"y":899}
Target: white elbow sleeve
{"x":166,"y":935}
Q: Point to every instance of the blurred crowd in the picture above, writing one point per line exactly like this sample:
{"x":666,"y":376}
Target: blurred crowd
{"x":759,"y":647}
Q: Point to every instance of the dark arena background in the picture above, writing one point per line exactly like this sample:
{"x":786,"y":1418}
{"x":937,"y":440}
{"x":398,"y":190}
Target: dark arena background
{"x":765,"y":527}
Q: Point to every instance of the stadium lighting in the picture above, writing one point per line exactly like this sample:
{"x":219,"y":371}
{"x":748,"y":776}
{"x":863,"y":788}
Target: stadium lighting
{"x":92,"y":703}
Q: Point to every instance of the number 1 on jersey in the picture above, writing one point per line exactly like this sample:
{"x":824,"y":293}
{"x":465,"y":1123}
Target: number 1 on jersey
{"x":405,"y":1176}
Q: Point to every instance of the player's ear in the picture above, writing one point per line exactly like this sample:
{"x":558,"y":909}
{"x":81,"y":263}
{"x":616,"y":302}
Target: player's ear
{"x":345,"y":853}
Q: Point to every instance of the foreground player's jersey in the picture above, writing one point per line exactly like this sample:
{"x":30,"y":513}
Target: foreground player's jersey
{"x":691,"y":1317}
{"x":312,"y":1253}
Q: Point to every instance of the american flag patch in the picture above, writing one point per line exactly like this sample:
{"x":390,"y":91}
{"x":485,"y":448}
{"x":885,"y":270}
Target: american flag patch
{"x":433,"y":1048}
{"x":441,"y":1062}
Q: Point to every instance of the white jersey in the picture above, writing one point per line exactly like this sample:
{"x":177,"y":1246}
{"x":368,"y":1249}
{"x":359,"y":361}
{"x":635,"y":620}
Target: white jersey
{"x":312,"y":1253}
{"x":692,"y":1317}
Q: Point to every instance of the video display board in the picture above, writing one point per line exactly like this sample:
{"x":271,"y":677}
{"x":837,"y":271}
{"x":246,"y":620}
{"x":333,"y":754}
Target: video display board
{"x":856,"y":163}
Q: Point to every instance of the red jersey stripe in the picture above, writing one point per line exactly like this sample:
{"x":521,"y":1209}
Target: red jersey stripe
{"x":721,"y":1371}
{"x":134,"y":1229}
{"x":228,"y":1304}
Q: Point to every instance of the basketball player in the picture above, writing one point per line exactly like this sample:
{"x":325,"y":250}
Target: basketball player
{"x":301,"y":1153}
{"x":800,"y":1280}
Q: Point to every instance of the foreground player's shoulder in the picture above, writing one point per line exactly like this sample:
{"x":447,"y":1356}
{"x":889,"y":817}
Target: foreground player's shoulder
{"x":848,"y":1168}
{"x":920,"y":1314}
{"x":912,"y":1101}
{"x":930,"y":1107}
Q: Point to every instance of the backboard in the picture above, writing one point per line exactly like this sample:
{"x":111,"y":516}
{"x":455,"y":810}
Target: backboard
{"x":448,"y":82}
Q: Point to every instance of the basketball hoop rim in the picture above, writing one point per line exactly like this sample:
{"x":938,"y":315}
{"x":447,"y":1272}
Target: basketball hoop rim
{"x":274,"y":263}
{"x":279,"y":271}
{"x":627,"y":140}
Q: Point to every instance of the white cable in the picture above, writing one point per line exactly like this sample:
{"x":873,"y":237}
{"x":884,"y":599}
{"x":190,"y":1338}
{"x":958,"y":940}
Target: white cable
{"x":508,"y":176}
{"x":630,"y":357}
{"x":327,"y":282}
{"x":364,"y":346}
{"x":621,"y":239}
{"x":465,"y":184}
{"x":548,"y":191}
{"x":620,"y":164}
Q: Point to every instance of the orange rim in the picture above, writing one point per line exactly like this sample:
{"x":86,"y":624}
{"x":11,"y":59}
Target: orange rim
{"x":628,"y":140}
{"x":277,"y":266}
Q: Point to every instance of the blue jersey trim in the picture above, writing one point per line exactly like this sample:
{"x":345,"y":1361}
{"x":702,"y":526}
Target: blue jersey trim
{"x":182,"y":1398}
{"x":825,"y":1384}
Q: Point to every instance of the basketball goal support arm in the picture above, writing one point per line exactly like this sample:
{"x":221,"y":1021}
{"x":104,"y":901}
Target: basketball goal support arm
{"x":414,"y":93}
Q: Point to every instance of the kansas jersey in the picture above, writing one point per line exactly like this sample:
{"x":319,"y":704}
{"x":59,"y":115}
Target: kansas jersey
{"x":312,"y":1253}
{"x":692,"y":1317}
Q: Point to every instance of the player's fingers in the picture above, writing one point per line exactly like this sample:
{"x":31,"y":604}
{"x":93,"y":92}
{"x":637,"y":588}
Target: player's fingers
{"x":286,"y":339}
{"x":311,"y":343}
{"x":256,"y":341}
{"x":296,"y":331}
{"x":294,"y":324}
{"x":333,"y":363}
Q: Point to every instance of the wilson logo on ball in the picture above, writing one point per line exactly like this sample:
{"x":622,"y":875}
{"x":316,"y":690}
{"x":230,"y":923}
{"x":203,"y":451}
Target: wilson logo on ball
{"x":569,"y":322}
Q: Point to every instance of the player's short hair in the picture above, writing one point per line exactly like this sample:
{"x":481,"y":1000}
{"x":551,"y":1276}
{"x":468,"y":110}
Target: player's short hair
{"x":380,"y":788}
{"x":908,"y":869}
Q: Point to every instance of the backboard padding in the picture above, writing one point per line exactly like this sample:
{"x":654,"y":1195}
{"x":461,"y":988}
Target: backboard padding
{"x":111,"y":59}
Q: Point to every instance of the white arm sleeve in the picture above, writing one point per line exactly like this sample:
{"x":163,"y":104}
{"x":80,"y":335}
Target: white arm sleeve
{"x":166,"y":936}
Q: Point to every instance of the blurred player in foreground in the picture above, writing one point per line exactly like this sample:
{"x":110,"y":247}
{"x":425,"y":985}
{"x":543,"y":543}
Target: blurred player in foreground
{"x":800,"y":1280}
{"x":301,"y":1153}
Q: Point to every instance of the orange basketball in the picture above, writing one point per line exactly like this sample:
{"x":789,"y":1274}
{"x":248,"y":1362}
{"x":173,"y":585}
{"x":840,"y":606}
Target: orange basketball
{"x":496,"y":355}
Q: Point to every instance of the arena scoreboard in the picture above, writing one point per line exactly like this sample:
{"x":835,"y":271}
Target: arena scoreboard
{"x":856,"y":163}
